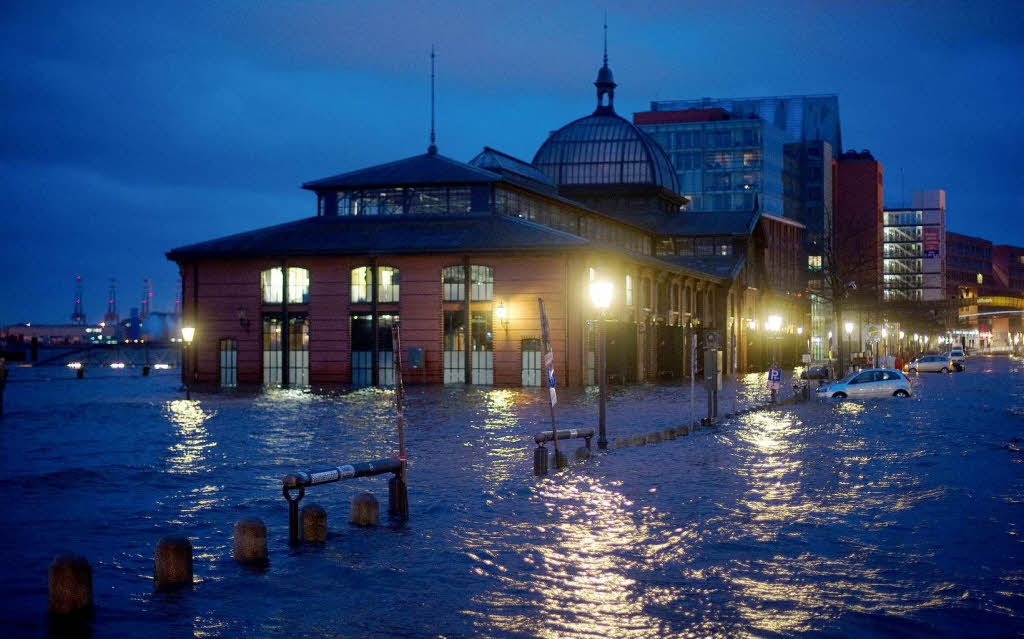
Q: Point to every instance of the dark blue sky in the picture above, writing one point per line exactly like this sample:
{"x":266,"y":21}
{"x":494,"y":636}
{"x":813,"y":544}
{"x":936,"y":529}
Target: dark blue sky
{"x":129,"y":130}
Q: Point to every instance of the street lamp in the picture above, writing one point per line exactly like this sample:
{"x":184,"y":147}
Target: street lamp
{"x":188,"y":333}
{"x":601,"y":295}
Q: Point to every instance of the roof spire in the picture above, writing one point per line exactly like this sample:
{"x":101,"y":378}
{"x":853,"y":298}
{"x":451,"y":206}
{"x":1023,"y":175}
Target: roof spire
{"x":432,"y":149}
{"x":606,"y":37}
{"x":605,"y":83}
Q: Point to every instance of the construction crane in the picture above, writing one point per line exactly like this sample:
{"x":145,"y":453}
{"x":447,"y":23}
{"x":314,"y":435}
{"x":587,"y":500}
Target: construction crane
{"x":77,"y":316}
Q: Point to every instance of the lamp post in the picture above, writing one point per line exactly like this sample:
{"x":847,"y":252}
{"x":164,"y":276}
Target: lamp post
{"x":188,"y":333}
{"x":848,"y":327}
{"x":773,"y":324}
{"x":601,"y":296}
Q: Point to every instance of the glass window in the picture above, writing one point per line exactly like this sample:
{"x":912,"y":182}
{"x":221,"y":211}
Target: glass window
{"x":483,"y":283}
{"x":298,"y":350}
{"x":272,"y":282}
{"x":272,"y":352}
{"x":228,"y":363}
{"x":629,"y":290}
{"x":298,"y":285}
{"x":362,"y":344}
{"x":387,"y":284}
{"x":453,"y":280}
{"x":361,"y":284}
{"x":454,"y":334}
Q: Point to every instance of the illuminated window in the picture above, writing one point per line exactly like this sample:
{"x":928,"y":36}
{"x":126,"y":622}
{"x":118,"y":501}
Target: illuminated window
{"x":814,"y":262}
{"x":629,"y":290}
{"x":387,"y":284}
{"x":981,"y":279}
{"x":272,"y":282}
{"x":298,"y":285}
{"x":361,"y":285}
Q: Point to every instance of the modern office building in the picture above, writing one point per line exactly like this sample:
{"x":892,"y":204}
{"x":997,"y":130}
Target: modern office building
{"x":802,"y":117}
{"x":722,"y":162}
{"x":914,"y":249}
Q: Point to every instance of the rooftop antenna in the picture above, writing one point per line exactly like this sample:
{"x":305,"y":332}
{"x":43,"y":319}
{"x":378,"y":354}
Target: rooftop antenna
{"x":432,"y":149}
{"x":605,"y":37}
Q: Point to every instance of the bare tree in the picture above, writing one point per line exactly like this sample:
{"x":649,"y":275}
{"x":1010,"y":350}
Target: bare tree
{"x":851,"y":269}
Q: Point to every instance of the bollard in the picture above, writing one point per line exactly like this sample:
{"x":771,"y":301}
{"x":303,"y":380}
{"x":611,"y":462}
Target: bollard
{"x":172,"y":564}
{"x":398,"y":498}
{"x":250,"y":540}
{"x":364,"y":510}
{"x":314,"y":523}
{"x":622,"y":443}
{"x":70,"y":587}
{"x":561,"y":459}
{"x":145,"y":370}
{"x":668,"y":433}
{"x":653,"y":437}
{"x":582,"y":453}
{"x":638,"y":440}
{"x":80,"y":372}
{"x":540,"y":461}
{"x":683,"y":430}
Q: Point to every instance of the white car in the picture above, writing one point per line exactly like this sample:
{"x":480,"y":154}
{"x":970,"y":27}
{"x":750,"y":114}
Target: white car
{"x":931,"y":364}
{"x":958,"y":357}
{"x":874,"y":382}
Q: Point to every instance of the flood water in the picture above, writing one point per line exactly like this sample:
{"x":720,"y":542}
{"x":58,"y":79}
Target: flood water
{"x":877,"y":518}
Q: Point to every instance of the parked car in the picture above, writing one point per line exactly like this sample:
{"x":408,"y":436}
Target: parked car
{"x":873,"y":382}
{"x":959,"y":358}
{"x":931,"y":364}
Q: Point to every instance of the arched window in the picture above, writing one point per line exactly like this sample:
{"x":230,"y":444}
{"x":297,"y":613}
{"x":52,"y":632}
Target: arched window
{"x":362,"y":284}
{"x":453,"y":279}
{"x":387,"y":284}
{"x":272,"y":283}
{"x":483,"y":283}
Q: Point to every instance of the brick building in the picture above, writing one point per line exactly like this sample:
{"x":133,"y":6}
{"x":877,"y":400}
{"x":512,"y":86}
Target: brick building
{"x":858,"y":219}
{"x":458,"y":254}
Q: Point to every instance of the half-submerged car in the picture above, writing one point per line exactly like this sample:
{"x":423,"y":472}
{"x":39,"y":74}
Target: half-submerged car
{"x":874,"y":382}
{"x":931,"y":364}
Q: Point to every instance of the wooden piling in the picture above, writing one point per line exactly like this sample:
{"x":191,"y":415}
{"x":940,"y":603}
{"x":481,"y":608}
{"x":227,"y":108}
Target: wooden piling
{"x":250,"y":540}
{"x":314,"y":524}
{"x":364,"y":510}
{"x":70,"y":587}
{"x":172,"y":564}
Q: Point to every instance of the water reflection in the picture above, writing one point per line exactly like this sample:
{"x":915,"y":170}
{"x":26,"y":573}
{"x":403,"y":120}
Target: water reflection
{"x":581,"y":562}
{"x":192,"y":442}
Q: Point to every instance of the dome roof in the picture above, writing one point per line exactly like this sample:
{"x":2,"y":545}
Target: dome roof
{"x":604,"y":148}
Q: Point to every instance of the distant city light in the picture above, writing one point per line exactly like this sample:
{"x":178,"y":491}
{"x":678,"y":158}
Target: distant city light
{"x":75,"y":365}
{"x":161,"y":367}
{"x":117,"y":365}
